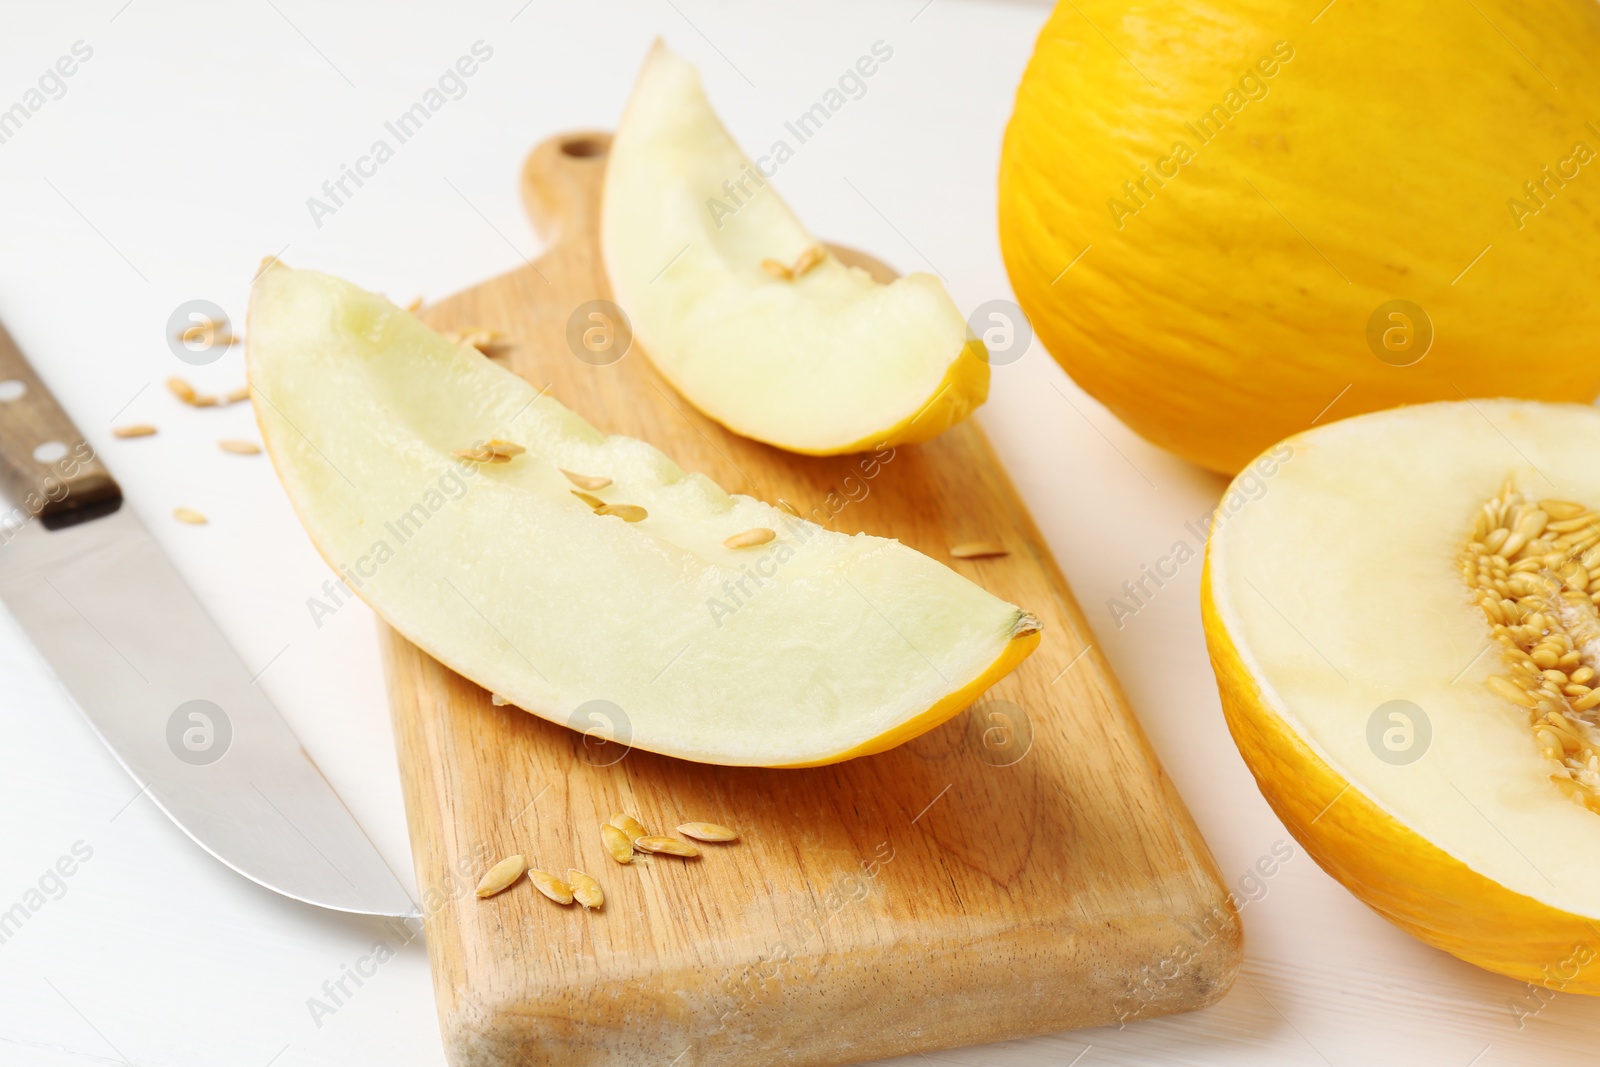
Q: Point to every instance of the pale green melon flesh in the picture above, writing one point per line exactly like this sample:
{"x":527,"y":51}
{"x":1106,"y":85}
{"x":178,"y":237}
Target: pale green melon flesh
{"x":793,"y":652}
{"x":1337,"y":575}
{"x":830,"y":360}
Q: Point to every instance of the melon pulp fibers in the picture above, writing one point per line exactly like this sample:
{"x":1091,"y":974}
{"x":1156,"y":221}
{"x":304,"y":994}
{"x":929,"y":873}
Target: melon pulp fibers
{"x":697,"y":243}
{"x":1405,"y":639}
{"x":446,"y":490}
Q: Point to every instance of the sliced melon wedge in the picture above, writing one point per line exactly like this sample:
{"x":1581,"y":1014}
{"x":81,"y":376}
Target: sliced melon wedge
{"x":555,"y":566}
{"x":1401,"y":612}
{"x":745,"y":313}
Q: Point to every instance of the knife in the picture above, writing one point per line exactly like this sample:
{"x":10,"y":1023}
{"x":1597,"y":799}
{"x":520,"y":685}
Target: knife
{"x":153,"y":674}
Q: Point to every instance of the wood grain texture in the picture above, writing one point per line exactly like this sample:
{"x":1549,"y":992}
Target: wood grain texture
{"x":1025,"y":868}
{"x":57,"y":489}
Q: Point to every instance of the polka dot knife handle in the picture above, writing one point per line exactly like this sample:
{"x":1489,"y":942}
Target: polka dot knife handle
{"x":47,"y":469}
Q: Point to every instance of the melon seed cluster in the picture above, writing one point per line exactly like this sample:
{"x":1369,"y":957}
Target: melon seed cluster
{"x":577,"y":886}
{"x":196,"y":399}
{"x":621,"y":835}
{"x":788,"y":272}
{"x":1534,"y":568}
{"x":498,"y":451}
{"x":209,"y":333}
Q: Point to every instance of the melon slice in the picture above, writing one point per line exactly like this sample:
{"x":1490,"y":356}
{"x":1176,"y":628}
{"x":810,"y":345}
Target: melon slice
{"x":556,"y":566}
{"x":741,"y":308}
{"x":1401,"y":612}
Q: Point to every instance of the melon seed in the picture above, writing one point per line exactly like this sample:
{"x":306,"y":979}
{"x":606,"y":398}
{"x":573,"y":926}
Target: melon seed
{"x":585,"y":890}
{"x":758,"y":535}
{"x":708,"y":831}
{"x":808,"y":259}
{"x":617,"y":843}
{"x":481,"y":455}
{"x":550,"y":885}
{"x":978,"y":550}
{"x":629,"y":825}
{"x":670,"y":846}
{"x":502,"y":876}
{"x":586,"y":481}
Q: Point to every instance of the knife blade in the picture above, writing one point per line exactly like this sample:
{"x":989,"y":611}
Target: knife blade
{"x":153,"y":674}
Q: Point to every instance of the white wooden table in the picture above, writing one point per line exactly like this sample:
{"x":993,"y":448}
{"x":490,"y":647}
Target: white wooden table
{"x":186,"y":146}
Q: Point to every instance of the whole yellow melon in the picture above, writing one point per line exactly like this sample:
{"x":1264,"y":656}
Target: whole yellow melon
{"x":1232,"y":220}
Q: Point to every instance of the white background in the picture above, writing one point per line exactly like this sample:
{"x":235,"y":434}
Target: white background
{"x":184,"y":151}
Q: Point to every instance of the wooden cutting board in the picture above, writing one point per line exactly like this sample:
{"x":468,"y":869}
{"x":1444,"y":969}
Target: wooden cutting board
{"x":1025,"y":868}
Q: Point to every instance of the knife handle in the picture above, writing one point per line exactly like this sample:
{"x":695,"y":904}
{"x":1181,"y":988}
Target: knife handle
{"x":46,"y":466}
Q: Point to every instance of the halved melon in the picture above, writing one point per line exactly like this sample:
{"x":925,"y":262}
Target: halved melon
{"x":438,"y":485}
{"x":742,"y":309}
{"x":1401,"y":612}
